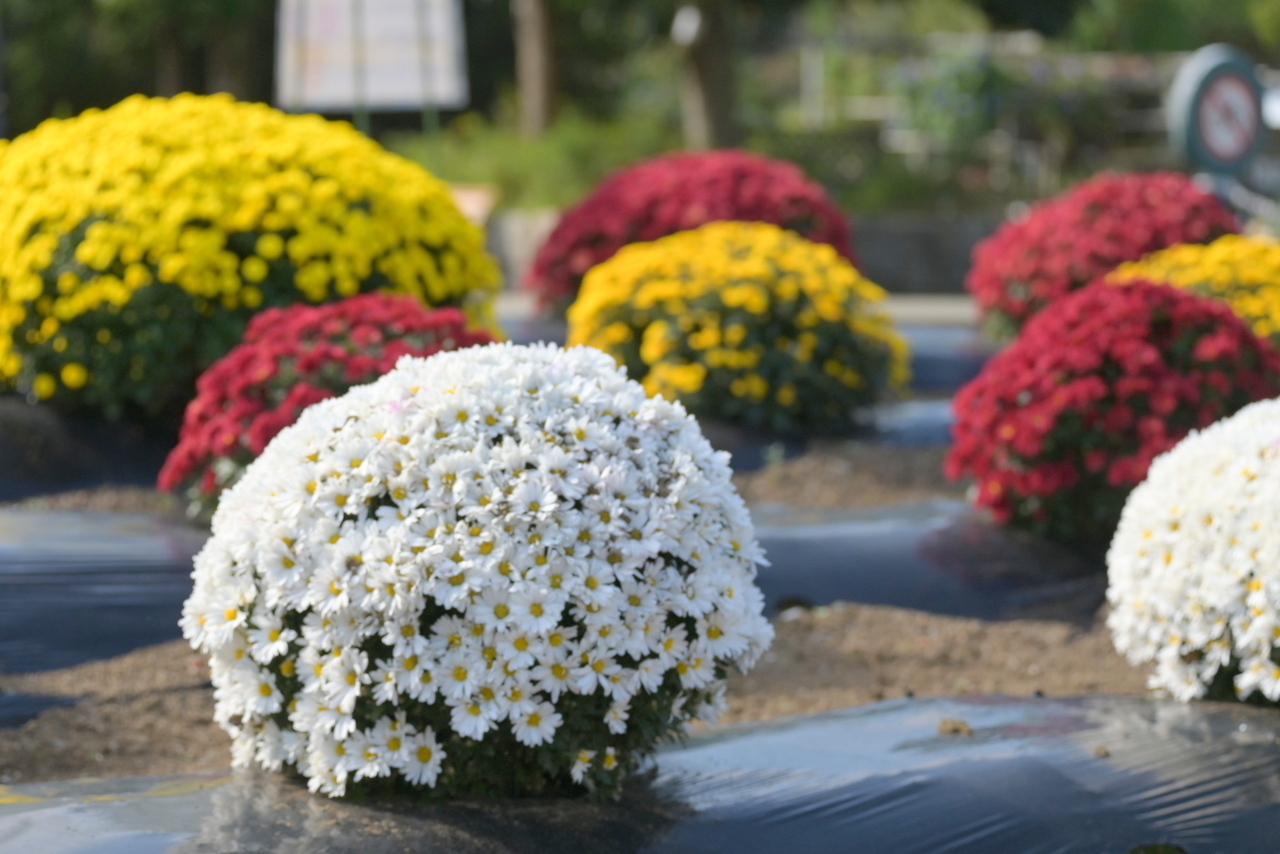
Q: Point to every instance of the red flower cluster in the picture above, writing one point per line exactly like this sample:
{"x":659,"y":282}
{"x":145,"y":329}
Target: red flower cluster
{"x":1061,"y":425}
{"x":678,"y":192}
{"x":1067,"y":242}
{"x":289,"y":359}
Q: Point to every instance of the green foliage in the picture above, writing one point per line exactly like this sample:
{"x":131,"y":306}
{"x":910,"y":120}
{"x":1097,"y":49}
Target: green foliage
{"x":50,"y":68}
{"x":955,"y":98}
{"x":555,"y":170}
{"x":952,"y":98}
{"x":890,"y":19}
{"x":65,"y":56}
{"x":1049,"y":17}
{"x":1169,"y":25}
{"x":1264,"y":16}
{"x":863,"y":179}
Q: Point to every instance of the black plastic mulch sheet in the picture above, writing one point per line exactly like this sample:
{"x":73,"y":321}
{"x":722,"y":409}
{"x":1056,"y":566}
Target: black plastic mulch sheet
{"x":47,"y":451}
{"x":1034,"y":776}
{"x":76,"y":587}
{"x":81,"y":586}
{"x":937,"y":556}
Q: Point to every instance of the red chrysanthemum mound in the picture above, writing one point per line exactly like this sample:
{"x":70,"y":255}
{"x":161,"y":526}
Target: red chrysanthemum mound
{"x":289,"y":359}
{"x":1066,"y":242}
{"x":1061,"y":425}
{"x":678,"y":192}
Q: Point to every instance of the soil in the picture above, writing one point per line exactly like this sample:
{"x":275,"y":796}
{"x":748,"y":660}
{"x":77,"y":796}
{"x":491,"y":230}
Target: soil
{"x":852,"y":474}
{"x":830,"y":474}
{"x":149,"y":712}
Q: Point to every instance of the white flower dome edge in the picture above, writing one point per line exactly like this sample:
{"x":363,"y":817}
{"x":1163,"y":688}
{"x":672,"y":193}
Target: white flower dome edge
{"x":1194,"y":567}
{"x":501,"y":542}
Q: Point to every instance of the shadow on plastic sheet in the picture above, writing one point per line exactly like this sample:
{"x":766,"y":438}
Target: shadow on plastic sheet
{"x":938,"y":556}
{"x":1034,"y":776}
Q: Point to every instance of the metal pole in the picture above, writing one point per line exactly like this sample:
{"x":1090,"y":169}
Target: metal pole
{"x":360,"y":112}
{"x":430,"y":115}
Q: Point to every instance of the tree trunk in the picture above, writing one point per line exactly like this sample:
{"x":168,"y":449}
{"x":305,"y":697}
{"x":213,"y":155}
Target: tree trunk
{"x":227,"y":63}
{"x":708,"y":85}
{"x":168,"y":64}
{"x":534,"y":64}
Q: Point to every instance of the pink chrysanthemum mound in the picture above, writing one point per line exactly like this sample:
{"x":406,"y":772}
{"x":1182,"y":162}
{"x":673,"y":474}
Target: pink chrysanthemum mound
{"x":1061,"y":425}
{"x":289,"y":359}
{"x":1066,"y":242}
{"x":678,"y":192}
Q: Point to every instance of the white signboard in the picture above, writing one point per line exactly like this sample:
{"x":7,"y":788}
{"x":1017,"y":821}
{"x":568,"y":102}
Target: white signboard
{"x":350,"y":55}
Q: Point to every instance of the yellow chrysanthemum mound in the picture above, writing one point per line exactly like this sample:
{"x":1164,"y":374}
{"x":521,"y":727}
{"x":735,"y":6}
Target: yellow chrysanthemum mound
{"x":744,"y":322}
{"x":1242,"y":271}
{"x":136,"y":242}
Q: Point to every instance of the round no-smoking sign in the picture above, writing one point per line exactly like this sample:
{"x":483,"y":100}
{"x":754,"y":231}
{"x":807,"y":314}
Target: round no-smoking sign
{"x":1215,"y":110}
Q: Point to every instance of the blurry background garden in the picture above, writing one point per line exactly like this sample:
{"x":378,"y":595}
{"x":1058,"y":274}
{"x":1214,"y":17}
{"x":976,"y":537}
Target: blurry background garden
{"x":945,"y":277}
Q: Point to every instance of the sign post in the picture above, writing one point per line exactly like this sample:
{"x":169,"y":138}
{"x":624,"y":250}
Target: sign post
{"x":1218,"y":114}
{"x":1215,"y":110}
{"x":363,"y":56}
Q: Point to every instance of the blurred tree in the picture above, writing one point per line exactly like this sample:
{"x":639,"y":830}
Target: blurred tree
{"x":490,"y":51}
{"x":1048,"y":17}
{"x":587,"y":43}
{"x":63,"y":56}
{"x":702,"y":29}
{"x":1264,"y":15}
{"x":199,"y":45}
{"x":1168,"y":25}
{"x":534,"y":65}
{"x":52,"y":62}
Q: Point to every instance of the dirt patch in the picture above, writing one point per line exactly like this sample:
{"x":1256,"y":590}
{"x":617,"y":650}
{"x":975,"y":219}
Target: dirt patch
{"x":849,"y":654}
{"x":104,"y":499}
{"x":147,"y":712}
{"x":829,"y":474}
{"x":150,"y":711}
{"x":852,"y":474}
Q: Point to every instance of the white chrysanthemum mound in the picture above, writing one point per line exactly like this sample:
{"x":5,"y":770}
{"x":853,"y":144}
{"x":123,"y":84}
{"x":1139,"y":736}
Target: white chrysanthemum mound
{"x":489,"y":571}
{"x":1194,"y":568}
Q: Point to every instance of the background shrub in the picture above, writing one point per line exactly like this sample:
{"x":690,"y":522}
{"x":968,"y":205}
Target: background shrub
{"x":744,"y":322}
{"x":1060,"y":425}
{"x":291,"y":358}
{"x":136,"y":242}
{"x":677,"y":192}
{"x":1066,"y":242}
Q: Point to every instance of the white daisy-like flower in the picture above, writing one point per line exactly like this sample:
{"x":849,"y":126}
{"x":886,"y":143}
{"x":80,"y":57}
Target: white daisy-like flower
{"x":581,"y":765}
{"x":1194,"y":567}
{"x":460,"y":673}
{"x":269,"y":638}
{"x":469,"y":719}
{"x":538,"y":725}
{"x":499,"y":535}
{"x":264,"y":694}
{"x":391,"y":738}
{"x":616,"y":717}
{"x":424,"y":758}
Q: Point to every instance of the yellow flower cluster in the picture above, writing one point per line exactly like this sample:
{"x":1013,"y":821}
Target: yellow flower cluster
{"x":1242,"y":271}
{"x":224,"y":208}
{"x":745,"y":322}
